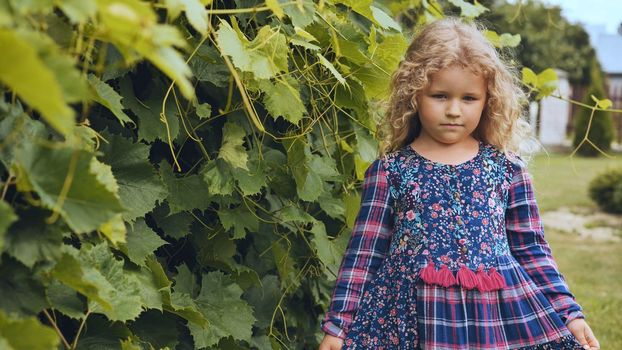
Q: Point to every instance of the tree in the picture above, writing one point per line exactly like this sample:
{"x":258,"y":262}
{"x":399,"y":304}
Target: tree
{"x":547,"y":38}
{"x":601,"y":131}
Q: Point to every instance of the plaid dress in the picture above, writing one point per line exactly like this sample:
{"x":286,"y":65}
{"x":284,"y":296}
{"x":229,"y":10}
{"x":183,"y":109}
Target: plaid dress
{"x":450,"y":257}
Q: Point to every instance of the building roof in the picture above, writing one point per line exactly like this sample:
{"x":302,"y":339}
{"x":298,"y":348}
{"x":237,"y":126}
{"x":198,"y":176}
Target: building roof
{"x":609,"y":52}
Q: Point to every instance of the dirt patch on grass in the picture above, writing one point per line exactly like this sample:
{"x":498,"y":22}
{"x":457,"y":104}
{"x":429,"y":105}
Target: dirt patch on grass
{"x":585,"y":222}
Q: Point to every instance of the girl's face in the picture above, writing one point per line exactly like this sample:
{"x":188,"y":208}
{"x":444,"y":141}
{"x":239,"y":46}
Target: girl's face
{"x":451,"y":106}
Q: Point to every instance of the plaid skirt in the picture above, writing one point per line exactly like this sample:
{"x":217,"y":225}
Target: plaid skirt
{"x":399,"y":311}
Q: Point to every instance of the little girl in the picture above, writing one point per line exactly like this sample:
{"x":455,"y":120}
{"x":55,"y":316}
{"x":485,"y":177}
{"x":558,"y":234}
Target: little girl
{"x":448,"y":250}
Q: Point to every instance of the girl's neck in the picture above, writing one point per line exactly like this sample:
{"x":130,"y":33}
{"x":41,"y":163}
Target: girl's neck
{"x":454,"y":153}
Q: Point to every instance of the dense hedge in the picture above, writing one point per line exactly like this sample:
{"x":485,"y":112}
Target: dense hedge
{"x":605,"y":189}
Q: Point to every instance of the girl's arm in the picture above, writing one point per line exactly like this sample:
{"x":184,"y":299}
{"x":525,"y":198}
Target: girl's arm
{"x":366,"y":249}
{"x":526,"y":238}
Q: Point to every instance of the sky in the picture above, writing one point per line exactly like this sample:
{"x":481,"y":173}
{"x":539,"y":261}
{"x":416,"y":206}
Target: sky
{"x":594,"y":12}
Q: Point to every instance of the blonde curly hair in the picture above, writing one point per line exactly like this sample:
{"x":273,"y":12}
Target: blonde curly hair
{"x":445,"y":42}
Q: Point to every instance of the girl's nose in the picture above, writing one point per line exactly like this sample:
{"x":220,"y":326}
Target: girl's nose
{"x":453,"y":109}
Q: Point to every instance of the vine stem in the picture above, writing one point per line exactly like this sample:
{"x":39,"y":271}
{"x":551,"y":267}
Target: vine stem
{"x":279,"y":307}
{"x":585,"y":137}
{"x":75,"y":341}
{"x":252,"y":114}
{"x":73,"y":161}
{"x":595,"y":107}
{"x":60,"y":334}
{"x":6,"y":186}
{"x":168,"y":92}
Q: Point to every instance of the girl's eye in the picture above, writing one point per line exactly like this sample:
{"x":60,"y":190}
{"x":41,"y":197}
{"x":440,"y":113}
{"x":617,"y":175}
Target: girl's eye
{"x":470,"y":98}
{"x":439,"y":96}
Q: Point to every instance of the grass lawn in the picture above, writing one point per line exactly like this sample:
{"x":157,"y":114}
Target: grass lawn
{"x":563,"y":181}
{"x":592,"y":268}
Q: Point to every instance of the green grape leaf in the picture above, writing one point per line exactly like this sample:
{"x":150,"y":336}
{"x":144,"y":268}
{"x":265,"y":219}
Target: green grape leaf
{"x":99,"y":333}
{"x":173,"y":225}
{"x":334,"y":207}
{"x":283,"y":99}
{"x":7,"y":217}
{"x":81,"y":279}
{"x":265,"y":56}
{"x":203,"y":110}
{"x":308,"y":183}
{"x":31,"y":239}
{"x":326,"y":250}
{"x":21,"y":69}
{"x":219,"y":178}
{"x":184,"y":281}
{"x":142,"y":241}
{"x":301,"y":17}
{"x":264,"y":299}
{"x":232,"y":150}
{"x":529,"y":77}
{"x":133,"y":28}
{"x":251,"y":181}
{"x":114,"y":230}
{"x":97,"y":274}
{"x":180,"y":304}
{"x":285,"y":266}
{"x":150,"y":294}
{"x":292,"y":213}
{"x":121,"y":290}
{"x":326,"y":63}
{"x":65,"y":300}
{"x":275,"y":7}
{"x":272,"y":45}
{"x":469,"y":10}
{"x":197,"y":14}
{"x":78,"y":11}
{"x":157,"y":328}
{"x":384,"y":20}
{"x":352,"y":202}
{"x":366,"y":144}
{"x":26,"y":333}
{"x":184,"y":193}
{"x":363,"y":7}
{"x":21,"y":292}
{"x":150,"y":123}
{"x":87,"y":203}
{"x":503,"y":40}
{"x":228,"y":314}
{"x":547,"y":82}
{"x":604,"y":103}
{"x":139,"y":185}
{"x":240,"y":219}
{"x":109,"y":98}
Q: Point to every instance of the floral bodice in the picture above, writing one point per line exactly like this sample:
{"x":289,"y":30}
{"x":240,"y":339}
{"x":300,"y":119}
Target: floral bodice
{"x":450,"y":214}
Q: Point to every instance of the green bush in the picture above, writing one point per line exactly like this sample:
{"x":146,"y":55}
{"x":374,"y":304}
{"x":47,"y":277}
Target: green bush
{"x":606,"y":190}
{"x":601,"y":131}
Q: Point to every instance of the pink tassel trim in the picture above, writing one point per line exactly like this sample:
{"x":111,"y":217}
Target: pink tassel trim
{"x":498,"y":282}
{"x":428,"y":274}
{"x":465,"y":277}
{"x":484,"y":281}
{"x":445,"y":278}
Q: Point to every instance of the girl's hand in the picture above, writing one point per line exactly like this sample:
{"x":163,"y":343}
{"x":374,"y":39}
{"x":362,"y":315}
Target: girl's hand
{"x":331,"y":343}
{"x":580,"y":329}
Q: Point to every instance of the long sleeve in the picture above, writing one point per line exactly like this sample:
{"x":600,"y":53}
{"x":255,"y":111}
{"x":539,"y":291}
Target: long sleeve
{"x":367,"y":247}
{"x":526,"y":239}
